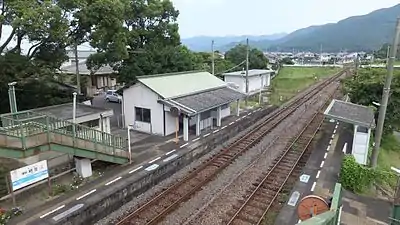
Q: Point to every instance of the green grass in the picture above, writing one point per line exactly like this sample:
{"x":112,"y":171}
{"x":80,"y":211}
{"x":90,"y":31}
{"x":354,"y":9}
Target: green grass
{"x":291,"y":80}
{"x":389,"y":155}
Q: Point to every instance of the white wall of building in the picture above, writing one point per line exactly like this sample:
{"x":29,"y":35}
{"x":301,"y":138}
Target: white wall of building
{"x":170,"y":122}
{"x":361,"y":145}
{"x":140,"y":96}
{"x":255,"y":82}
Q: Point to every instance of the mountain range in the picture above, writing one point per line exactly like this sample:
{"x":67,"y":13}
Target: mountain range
{"x":357,"y":33}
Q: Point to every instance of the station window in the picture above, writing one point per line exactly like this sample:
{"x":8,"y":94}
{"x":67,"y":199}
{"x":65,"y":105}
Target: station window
{"x":142,"y":115}
{"x":205,"y":115}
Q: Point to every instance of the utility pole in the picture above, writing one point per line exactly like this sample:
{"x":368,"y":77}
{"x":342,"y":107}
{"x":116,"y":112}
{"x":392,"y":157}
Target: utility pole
{"x":212,"y":58}
{"x":247,"y":71}
{"x":385,"y":97}
{"x":78,"y":77}
{"x":387,"y":56}
{"x":11,"y":97}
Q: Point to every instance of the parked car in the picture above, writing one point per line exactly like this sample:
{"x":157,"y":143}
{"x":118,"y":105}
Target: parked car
{"x":113,"y":96}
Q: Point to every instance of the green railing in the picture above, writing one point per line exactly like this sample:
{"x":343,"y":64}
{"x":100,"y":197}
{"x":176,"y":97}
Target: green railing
{"x":30,"y":128}
{"x":331,"y":217}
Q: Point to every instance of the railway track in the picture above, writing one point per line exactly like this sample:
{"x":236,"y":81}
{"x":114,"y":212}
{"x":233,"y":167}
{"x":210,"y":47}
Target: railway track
{"x":263,"y":194}
{"x":158,"y":207}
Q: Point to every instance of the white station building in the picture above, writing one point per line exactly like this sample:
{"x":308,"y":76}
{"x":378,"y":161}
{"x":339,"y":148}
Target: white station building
{"x":201,"y":99}
{"x":258,"y":79}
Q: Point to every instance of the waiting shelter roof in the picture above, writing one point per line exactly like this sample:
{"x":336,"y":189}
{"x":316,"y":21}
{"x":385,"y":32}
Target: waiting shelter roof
{"x":351,"y":113}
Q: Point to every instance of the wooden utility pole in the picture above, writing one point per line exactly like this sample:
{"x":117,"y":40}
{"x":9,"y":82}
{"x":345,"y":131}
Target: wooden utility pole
{"x":385,"y":97}
{"x":247,"y":71}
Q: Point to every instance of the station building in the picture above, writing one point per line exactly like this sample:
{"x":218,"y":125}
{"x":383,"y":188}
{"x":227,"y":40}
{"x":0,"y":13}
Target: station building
{"x":202,"y":101}
{"x":258,"y":79}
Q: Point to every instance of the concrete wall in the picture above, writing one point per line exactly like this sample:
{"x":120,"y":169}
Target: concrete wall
{"x":238,"y":80}
{"x":140,"y":96}
{"x":105,"y":203}
{"x":255,"y":82}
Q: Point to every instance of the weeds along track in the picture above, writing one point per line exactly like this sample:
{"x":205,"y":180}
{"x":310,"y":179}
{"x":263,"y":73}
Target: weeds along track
{"x":168,"y":200}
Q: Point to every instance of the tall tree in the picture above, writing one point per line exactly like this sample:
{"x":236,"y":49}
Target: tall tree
{"x":237,"y":55}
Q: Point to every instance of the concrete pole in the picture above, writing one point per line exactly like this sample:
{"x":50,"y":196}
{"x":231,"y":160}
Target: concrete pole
{"x":78,"y":78}
{"x":74,"y":113}
{"x":387,"y":56}
{"x":11,"y":97}
{"x":385,"y":97}
{"x":247,"y":71}
{"x":212,"y":58}
{"x":261,"y":87}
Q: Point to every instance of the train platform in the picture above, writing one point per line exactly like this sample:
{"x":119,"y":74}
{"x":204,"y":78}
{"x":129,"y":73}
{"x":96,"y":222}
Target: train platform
{"x":322,"y":173}
{"x":148,"y":153}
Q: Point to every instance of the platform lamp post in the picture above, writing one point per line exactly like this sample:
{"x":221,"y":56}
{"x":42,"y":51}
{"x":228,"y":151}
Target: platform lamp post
{"x":11,"y":97}
{"x":129,"y":127}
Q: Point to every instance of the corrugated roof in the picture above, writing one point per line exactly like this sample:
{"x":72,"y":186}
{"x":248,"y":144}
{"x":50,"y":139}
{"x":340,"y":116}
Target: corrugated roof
{"x":251,"y":73}
{"x":181,"y":84}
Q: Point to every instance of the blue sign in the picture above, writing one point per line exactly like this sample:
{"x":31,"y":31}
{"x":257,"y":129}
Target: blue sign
{"x":28,"y":175}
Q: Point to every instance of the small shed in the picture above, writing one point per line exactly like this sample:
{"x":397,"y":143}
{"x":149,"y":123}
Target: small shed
{"x":258,"y":79}
{"x":362,"y":118}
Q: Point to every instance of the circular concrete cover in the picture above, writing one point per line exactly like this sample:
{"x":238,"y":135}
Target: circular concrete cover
{"x":310,"y":206}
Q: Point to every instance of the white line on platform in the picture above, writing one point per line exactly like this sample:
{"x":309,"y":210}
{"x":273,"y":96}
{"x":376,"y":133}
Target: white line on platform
{"x":154,"y":160}
{"x":136,"y":169}
{"x":90,"y":192}
{"x":327,"y":148}
{"x":299,"y":221}
{"x":322,"y":164}
{"x":52,"y":211}
{"x":223,"y":127}
{"x":231,"y":123}
{"x":237,"y":119}
{"x":196,"y":139}
{"x":206,"y":135}
{"x":115,"y":180}
{"x":319,"y":171}
{"x":249,"y":113}
{"x":215,"y":131}
{"x":326,"y":154}
{"x":244,"y":116}
{"x":333,"y":136}
{"x":334,"y":131}
{"x":183,"y":145}
{"x":170,"y":152}
{"x":330,"y":142}
{"x":336,"y":126}
{"x":313,"y":186}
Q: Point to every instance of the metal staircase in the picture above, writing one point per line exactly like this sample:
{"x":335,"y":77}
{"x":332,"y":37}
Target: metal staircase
{"x":28,"y":133}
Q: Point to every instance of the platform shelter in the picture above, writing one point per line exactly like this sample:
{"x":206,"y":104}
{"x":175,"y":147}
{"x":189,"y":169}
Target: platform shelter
{"x":361,"y":117}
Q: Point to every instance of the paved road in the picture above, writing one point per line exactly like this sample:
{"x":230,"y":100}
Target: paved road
{"x":115,"y":120}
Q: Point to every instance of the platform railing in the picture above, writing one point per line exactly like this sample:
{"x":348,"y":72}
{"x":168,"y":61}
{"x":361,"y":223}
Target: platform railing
{"x":32,"y":128}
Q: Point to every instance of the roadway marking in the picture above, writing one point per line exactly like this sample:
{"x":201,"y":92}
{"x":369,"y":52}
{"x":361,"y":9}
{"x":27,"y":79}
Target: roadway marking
{"x":52,"y":211}
{"x":154,"y":160}
{"x":326,"y":154}
{"x":322,"y":164}
{"x":136,"y":169}
{"x":206,"y":135}
{"x":215,"y":131}
{"x":313,"y":186}
{"x":318,"y":173}
{"x":82,"y":196}
{"x":170,"y":152}
{"x":115,"y":180}
{"x":223,"y":127}
{"x":194,"y":140}
{"x":184,"y":145}
{"x":231,"y":123}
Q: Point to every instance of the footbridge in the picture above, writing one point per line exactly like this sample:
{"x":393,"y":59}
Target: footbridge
{"x":27,"y":133}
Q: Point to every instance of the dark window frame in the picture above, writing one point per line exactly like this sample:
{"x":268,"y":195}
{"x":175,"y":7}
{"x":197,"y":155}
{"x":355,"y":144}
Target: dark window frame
{"x":142,"y":115}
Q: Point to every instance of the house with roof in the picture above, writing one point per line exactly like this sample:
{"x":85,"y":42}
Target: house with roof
{"x":258,"y":79}
{"x":162,"y":104}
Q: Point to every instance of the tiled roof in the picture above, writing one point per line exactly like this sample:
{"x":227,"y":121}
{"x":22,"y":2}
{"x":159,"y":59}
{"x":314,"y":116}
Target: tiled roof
{"x":85,"y":71}
{"x":251,"y":73}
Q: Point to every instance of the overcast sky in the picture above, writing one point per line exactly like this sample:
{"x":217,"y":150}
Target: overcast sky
{"x":255,"y":17}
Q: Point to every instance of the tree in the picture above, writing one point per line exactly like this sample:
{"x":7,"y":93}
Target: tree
{"x":287,"y":61}
{"x":367,"y":88}
{"x":237,"y":55}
